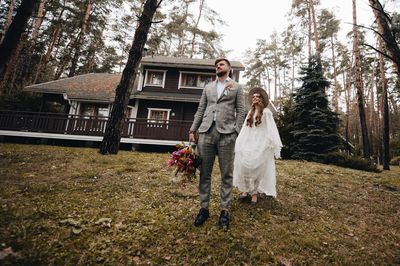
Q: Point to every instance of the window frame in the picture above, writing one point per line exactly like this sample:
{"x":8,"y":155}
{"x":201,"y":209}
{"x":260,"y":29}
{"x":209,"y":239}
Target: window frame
{"x":193,"y":73}
{"x":150,"y":120}
{"x":155,"y":70}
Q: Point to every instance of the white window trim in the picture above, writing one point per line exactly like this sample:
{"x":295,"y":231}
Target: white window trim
{"x":157,"y":109}
{"x":155,"y":70}
{"x":189,"y":72}
{"x":140,"y":83}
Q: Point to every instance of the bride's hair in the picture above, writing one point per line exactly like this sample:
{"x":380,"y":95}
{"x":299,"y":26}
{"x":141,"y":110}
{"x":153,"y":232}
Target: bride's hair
{"x":258,"y":110}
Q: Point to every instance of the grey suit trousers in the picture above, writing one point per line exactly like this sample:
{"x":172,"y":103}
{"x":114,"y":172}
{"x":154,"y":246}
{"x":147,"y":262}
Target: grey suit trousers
{"x":209,"y":144}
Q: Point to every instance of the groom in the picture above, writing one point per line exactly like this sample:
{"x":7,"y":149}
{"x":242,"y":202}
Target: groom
{"x":218,"y":121}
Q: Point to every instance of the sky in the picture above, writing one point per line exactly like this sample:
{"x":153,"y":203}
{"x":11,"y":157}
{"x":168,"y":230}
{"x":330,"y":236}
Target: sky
{"x":257,"y":19}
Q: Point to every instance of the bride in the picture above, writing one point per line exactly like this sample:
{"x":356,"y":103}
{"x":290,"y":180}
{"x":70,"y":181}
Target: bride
{"x":256,"y":146}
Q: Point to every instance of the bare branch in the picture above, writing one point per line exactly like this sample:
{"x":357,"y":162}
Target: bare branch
{"x":379,"y":51}
{"x":372,"y":29}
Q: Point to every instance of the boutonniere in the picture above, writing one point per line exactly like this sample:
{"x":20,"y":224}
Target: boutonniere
{"x":228,"y":87}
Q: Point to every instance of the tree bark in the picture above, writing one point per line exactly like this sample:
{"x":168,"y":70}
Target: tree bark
{"x":38,"y":21}
{"x":10,"y":11}
{"x":25,"y":68}
{"x":385,"y":110}
{"x":359,"y":87}
{"x":112,"y":135}
{"x":196,"y":27}
{"x":44,"y":60}
{"x":314,"y":23}
{"x":336,"y":93}
{"x":81,"y":36}
{"x":346,"y":85}
{"x":387,"y":35}
{"x":181,"y":41}
{"x":309,"y":29}
{"x":12,"y":37}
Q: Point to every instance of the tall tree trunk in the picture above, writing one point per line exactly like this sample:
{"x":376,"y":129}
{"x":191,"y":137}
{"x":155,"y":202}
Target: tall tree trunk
{"x":359,"y":86}
{"x":275,"y":82}
{"x":12,"y":37}
{"x":181,"y":41}
{"x":196,"y":27}
{"x":314,"y":23}
{"x":379,"y":124}
{"x":268,"y":82}
{"x":26,"y":69}
{"x":309,"y":29}
{"x":387,"y":34}
{"x":292,"y":81}
{"x":81,"y":36}
{"x":346,"y":87}
{"x":44,"y":60}
{"x":373,"y":119}
{"x":8,"y":77}
{"x":38,"y":21}
{"x":385,"y":111}
{"x":336,"y":93}
{"x":7,"y":23}
{"x":112,"y":135}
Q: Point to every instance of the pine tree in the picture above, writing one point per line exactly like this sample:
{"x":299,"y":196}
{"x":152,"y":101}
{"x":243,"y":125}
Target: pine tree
{"x":315,"y":125}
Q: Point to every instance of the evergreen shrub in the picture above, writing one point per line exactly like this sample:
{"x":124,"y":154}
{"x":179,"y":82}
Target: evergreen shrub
{"x":353,"y":162}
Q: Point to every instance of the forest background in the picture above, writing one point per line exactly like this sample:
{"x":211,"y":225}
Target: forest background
{"x":68,"y":38}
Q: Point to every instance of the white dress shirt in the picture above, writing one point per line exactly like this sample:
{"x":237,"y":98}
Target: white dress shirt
{"x":221,"y":86}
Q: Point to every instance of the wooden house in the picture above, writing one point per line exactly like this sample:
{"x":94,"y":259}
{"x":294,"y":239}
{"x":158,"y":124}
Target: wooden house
{"x":161,"y":109}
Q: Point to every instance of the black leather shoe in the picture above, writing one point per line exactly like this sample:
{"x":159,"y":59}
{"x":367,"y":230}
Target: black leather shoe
{"x":244,"y":198}
{"x":201,"y":217}
{"x":224,"y":220}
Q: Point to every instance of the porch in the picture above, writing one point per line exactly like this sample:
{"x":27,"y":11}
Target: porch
{"x":91,"y":128}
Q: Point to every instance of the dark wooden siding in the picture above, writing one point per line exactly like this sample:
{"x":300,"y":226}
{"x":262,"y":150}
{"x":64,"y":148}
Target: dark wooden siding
{"x":181,"y":110}
{"x":172,"y":80}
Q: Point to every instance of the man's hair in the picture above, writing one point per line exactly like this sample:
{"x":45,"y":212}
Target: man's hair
{"x":222,"y":59}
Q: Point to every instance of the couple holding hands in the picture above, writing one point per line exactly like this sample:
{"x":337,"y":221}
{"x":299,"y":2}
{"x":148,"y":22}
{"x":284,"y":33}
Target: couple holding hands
{"x":246,"y":145}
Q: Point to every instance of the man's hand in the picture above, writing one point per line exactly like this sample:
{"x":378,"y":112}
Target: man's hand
{"x":192,"y":137}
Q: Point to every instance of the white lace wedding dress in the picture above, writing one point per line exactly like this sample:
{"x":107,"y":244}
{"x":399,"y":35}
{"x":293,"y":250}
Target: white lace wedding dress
{"x":255,"y":149}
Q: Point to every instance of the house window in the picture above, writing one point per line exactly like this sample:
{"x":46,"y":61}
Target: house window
{"x":155,"y":78}
{"x":90,"y":109}
{"x":158,"y":115}
{"x":195,"y":80}
{"x":102,"y":111}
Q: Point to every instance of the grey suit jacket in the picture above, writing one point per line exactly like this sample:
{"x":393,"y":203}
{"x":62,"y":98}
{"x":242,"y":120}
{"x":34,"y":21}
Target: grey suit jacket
{"x":229,"y":109}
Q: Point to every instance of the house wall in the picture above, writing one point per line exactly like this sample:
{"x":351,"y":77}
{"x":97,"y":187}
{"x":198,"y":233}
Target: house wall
{"x":179,"y":110}
{"x":172,"y":80}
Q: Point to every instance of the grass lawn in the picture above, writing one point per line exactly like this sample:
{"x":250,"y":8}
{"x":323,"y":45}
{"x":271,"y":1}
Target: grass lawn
{"x":74,"y":206}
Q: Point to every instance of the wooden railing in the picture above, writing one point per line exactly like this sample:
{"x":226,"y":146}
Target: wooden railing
{"x":92,"y":125}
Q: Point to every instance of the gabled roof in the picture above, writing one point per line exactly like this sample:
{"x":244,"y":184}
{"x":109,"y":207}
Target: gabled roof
{"x":185,"y":62}
{"x":94,"y":87}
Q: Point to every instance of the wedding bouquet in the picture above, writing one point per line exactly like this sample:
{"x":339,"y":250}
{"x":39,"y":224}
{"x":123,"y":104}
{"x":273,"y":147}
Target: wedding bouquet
{"x":185,"y":160}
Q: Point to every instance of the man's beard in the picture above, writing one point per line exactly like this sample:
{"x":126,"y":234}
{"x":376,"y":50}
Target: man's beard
{"x":222,"y":73}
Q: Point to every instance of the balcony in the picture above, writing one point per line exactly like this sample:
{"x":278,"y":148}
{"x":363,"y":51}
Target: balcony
{"x":80,"y":127}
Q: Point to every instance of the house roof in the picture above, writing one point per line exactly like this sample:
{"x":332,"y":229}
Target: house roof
{"x":186,"y":62}
{"x":92,"y":87}
{"x":176,"y":97}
